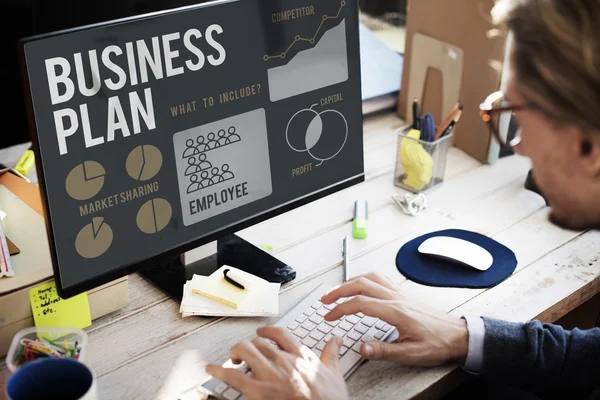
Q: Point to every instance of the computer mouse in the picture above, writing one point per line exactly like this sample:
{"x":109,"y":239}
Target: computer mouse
{"x":457,"y":250}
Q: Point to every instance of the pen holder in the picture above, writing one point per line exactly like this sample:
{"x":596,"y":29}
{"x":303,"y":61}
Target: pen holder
{"x":420,"y":165}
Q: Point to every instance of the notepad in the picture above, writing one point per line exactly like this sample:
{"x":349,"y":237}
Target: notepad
{"x":217,"y":288}
{"x":210,"y":296}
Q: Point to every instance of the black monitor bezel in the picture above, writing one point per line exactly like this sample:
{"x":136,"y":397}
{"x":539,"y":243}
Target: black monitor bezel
{"x":168,"y":255}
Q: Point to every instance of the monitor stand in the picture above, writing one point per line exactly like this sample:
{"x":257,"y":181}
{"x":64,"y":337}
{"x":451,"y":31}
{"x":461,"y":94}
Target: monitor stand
{"x":230,"y":250}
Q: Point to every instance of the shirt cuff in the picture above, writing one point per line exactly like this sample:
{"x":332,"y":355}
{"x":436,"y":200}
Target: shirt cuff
{"x":476,"y":329}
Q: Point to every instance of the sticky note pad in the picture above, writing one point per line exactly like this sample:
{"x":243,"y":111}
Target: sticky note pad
{"x":215,"y":287}
{"x":49,"y":309}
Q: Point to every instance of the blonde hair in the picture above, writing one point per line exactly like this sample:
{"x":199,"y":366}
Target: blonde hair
{"x":556,"y":57}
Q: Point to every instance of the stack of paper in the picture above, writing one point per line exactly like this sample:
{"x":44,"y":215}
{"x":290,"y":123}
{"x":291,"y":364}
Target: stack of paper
{"x":214,"y":296}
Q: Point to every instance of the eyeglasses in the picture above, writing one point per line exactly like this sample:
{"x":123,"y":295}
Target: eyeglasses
{"x":496,"y":110}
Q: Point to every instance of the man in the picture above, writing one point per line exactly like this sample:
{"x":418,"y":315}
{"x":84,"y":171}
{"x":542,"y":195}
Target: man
{"x":554,"y":92}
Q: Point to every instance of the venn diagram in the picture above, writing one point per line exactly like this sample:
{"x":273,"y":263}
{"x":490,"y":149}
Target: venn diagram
{"x":321,"y":134}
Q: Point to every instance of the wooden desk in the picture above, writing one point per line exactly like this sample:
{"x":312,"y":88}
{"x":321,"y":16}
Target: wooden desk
{"x":148,"y":351}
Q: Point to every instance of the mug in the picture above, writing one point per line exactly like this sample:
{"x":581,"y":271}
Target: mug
{"x":52,"y":378}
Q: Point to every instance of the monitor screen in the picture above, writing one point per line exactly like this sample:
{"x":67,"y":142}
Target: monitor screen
{"x":159,"y":133}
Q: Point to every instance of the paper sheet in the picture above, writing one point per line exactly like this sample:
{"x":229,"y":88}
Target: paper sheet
{"x":263,"y":301}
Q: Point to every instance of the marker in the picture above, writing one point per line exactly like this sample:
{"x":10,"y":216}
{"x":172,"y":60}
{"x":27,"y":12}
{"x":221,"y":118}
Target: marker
{"x":361,"y":222}
{"x":26,"y":162}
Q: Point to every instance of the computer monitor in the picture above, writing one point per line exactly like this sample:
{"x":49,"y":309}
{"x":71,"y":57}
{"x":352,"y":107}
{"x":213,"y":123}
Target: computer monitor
{"x":161,"y":133}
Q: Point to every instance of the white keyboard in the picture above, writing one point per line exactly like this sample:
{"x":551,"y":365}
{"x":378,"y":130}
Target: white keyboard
{"x":305,"y":321}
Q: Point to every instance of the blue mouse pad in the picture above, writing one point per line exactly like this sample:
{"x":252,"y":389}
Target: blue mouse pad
{"x":432,"y":271}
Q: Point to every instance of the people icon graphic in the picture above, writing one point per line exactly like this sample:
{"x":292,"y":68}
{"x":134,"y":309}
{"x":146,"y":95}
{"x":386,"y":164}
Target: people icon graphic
{"x":226,"y":174}
{"x":194,"y":168}
{"x":205,"y":180}
{"x":201,"y":146}
{"x":190,"y":150}
{"x":233,"y":137}
{"x":212,"y":143}
{"x":222,"y":141}
{"x":204,"y":144}
{"x":194,"y":185}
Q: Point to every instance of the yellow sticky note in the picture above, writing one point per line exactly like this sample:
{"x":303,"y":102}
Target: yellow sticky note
{"x":50,"y":310}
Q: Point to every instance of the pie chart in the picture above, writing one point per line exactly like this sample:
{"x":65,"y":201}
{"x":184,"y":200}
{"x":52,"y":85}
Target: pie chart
{"x":143,"y":162}
{"x":154,"y":215}
{"x":85,"y":180}
{"x":94,"y":239}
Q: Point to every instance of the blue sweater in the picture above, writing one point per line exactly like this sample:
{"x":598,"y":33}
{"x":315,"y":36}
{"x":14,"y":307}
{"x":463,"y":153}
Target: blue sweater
{"x":543,"y":358}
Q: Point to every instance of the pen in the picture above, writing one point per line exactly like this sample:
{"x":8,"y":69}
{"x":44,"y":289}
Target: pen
{"x":345,"y":251}
{"x":233,"y":278}
{"x":416,"y":114}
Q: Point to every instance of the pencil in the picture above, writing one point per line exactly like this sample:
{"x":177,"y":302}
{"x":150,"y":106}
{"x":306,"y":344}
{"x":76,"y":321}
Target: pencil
{"x":452,"y":124}
{"x":446,"y":122}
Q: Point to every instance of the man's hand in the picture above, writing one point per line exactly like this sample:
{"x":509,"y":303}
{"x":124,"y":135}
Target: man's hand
{"x":291,"y":372}
{"x":427,"y":337}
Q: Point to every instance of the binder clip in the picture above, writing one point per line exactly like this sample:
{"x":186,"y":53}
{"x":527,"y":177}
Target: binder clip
{"x":411,"y":204}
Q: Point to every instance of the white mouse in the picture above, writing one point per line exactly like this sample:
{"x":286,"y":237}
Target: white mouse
{"x":457,"y":250}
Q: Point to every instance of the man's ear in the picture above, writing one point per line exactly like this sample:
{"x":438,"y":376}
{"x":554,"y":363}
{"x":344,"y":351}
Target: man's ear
{"x":589,"y":152}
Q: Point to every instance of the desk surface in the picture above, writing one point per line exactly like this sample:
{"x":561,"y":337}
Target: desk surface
{"x":148,"y":351}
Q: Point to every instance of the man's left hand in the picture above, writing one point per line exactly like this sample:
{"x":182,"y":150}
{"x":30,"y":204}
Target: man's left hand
{"x":291,"y":371}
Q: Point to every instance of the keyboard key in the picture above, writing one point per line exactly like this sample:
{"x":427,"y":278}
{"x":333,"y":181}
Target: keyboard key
{"x":349,"y":360}
{"x":317,"y":305}
{"x":343,"y":350}
{"x":356,"y":346}
{"x":317,"y":352}
{"x":309,"y":342}
{"x":301,"y":332}
{"x":360,"y":315}
{"x":330,"y":306}
{"x":348,"y":342}
{"x":322,"y":311}
{"x":379,"y":324}
{"x":221,"y":387}
{"x":368,"y":321}
{"x":386,"y":327}
{"x":333,"y":323}
{"x":353,"y":319}
{"x":379,"y":335}
{"x":345,"y":326}
{"x":231,"y":394}
{"x":317,"y":335}
{"x":309,"y":312}
{"x":354,"y":335}
{"x":340,"y":300}
{"x":361,"y":328}
{"x":321,"y":345}
{"x":316,"y":319}
{"x":301,"y":318}
{"x":293,"y":326}
{"x":327,"y":337}
{"x":309,"y":326}
{"x":338,"y":332}
{"x":324,"y":328}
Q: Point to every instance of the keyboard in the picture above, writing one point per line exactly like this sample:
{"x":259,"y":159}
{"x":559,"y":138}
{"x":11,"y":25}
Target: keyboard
{"x":305,"y":321}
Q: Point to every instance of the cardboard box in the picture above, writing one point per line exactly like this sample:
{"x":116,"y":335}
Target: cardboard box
{"x":465,"y":25}
{"x":15,"y":311}
{"x":25,"y":226}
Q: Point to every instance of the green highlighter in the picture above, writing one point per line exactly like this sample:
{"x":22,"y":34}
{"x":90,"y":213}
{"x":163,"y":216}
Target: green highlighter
{"x":361,"y":221}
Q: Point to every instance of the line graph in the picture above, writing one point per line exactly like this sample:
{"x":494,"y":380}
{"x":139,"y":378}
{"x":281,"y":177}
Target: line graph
{"x":311,"y":40}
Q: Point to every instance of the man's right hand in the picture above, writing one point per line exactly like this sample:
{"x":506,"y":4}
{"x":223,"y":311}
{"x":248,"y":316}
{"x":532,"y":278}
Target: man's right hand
{"x":427,"y":337}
